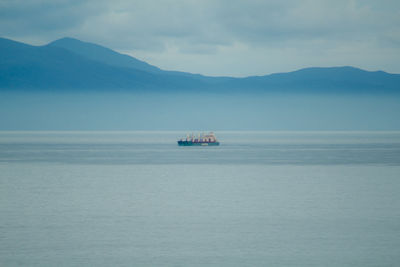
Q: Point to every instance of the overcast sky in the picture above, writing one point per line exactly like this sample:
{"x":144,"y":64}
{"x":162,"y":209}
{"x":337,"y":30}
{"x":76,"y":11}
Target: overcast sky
{"x":220,"y":37}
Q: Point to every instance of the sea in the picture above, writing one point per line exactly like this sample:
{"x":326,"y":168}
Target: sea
{"x":135,"y":198}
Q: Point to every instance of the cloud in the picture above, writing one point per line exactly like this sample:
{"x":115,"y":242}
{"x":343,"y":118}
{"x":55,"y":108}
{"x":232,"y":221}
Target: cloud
{"x":170,"y":32}
{"x":21,"y":18}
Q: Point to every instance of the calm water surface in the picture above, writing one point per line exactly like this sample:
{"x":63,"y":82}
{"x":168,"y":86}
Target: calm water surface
{"x":260,"y":199}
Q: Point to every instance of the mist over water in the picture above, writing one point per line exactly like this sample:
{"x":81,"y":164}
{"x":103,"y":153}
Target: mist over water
{"x":197,"y":110}
{"x":260,"y":199}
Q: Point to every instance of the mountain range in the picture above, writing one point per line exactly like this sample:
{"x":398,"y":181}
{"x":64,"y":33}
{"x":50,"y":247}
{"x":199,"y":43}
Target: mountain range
{"x":71,"y":64}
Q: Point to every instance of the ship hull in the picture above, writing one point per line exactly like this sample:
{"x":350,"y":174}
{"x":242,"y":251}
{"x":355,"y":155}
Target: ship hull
{"x":190,"y":143}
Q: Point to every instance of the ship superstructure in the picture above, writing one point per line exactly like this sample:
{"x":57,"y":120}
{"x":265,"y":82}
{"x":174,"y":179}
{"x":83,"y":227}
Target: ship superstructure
{"x":201,"y":139}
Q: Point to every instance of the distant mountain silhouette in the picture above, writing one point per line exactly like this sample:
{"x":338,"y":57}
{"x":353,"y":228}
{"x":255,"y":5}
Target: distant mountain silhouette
{"x":70,"y":64}
{"x":102,"y":54}
{"x":339,"y":79}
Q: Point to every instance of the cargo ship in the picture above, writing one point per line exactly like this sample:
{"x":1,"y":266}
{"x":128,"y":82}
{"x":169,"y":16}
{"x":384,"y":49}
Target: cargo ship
{"x":199,"y":140}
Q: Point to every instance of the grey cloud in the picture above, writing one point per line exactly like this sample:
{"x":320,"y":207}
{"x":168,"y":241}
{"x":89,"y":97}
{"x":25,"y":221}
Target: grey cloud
{"x":207,"y":22}
{"x":43,"y":18}
{"x":200,"y":27}
{"x":272,"y":21}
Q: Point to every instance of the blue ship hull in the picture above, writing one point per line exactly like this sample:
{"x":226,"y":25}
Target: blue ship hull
{"x":191,"y":143}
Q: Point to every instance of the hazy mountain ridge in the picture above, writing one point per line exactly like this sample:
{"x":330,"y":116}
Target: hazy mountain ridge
{"x":71,"y":64}
{"x":102,"y":54}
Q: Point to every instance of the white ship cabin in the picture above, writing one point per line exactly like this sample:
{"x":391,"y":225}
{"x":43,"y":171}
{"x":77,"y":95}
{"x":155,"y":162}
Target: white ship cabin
{"x":209,"y":138}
